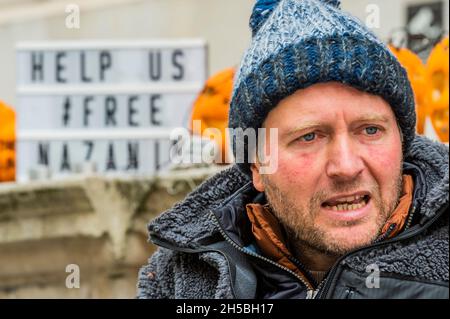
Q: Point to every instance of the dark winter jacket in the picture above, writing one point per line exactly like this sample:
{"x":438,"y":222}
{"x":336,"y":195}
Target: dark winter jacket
{"x":207,"y":251}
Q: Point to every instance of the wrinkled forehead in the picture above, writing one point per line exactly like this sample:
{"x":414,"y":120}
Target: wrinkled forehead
{"x":324,"y":103}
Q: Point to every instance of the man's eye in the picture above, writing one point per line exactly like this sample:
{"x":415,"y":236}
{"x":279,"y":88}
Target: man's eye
{"x":371,"y":130}
{"x":308,"y":137}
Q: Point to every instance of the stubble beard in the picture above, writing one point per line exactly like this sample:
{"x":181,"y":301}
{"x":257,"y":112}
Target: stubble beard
{"x":299,"y":221}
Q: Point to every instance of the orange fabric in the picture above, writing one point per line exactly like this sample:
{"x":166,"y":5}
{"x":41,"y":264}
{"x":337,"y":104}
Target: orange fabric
{"x":269,"y":236}
{"x":400,"y":214}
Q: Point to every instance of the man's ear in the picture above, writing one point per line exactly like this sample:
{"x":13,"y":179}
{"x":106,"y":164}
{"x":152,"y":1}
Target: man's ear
{"x":257,"y":178}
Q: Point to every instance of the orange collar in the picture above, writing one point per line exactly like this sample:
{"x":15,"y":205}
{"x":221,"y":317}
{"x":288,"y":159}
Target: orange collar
{"x":400,"y":214}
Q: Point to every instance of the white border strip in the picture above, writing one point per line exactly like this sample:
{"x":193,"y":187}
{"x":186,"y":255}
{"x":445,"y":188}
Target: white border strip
{"x":110,"y":44}
{"x":139,"y":88}
{"x":105,"y":134}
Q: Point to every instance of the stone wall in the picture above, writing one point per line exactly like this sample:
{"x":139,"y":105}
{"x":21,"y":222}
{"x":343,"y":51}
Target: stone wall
{"x":96,"y":223}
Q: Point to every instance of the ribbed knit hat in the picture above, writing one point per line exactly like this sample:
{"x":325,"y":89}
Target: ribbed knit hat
{"x":298,"y":43}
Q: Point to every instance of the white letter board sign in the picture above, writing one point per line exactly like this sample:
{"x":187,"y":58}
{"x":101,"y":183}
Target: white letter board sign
{"x":95,"y":87}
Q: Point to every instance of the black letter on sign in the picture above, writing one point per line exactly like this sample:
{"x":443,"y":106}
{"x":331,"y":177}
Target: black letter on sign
{"x":157,"y":163}
{"x":111,"y":164}
{"x":105,"y":63}
{"x":155,"y":71}
{"x":154,"y":109}
{"x":133,"y":156}
{"x":178,"y":65}
{"x":84,"y":78}
{"x":60,"y":67}
{"x":65,"y":165}
{"x":111,"y":108}
{"x":90,"y":147}
{"x":87,"y":110}
{"x":37,"y":67}
{"x":66,"y":115}
{"x":43,"y":154}
{"x":131,"y":110}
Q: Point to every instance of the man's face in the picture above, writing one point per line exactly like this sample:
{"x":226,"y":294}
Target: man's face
{"x":339,"y":166}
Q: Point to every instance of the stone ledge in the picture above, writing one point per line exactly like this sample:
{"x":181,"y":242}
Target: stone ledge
{"x":98,"y":223}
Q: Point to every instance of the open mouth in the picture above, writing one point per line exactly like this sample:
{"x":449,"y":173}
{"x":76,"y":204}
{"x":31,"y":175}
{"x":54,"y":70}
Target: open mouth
{"x":347,"y":203}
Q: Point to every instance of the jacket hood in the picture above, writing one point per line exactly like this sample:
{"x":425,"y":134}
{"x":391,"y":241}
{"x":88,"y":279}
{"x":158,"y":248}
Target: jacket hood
{"x":190,"y":221}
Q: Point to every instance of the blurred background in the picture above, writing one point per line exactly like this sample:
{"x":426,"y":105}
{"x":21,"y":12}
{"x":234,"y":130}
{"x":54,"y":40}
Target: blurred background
{"x":90,"y":91}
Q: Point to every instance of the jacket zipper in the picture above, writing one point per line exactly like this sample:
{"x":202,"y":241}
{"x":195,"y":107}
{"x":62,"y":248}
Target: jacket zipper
{"x":303,"y":269}
{"x":386,"y":234}
{"x":410,"y":218}
{"x":310,"y":291}
{"x":157,"y":241}
{"x":320,"y":294}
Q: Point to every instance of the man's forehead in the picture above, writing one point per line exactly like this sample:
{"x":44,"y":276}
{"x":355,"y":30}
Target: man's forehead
{"x":326,"y":98}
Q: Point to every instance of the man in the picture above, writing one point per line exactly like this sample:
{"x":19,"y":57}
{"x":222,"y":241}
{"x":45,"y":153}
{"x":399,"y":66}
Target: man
{"x":357,"y":206}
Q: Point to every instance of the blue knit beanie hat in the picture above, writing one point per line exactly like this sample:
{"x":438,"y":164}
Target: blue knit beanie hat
{"x":298,"y":43}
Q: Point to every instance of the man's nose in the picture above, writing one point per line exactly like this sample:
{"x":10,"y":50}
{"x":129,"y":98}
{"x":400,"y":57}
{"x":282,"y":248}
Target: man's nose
{"x":344,"y":159}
